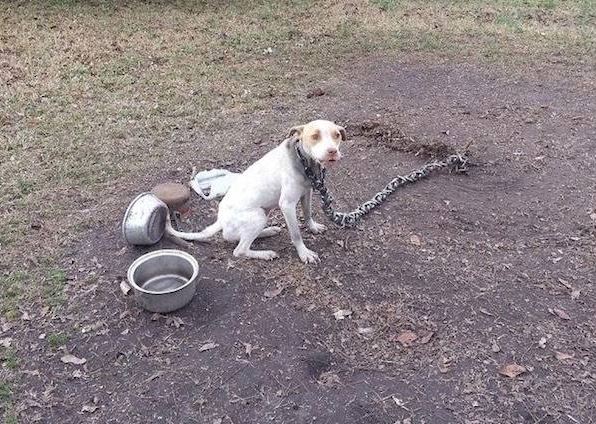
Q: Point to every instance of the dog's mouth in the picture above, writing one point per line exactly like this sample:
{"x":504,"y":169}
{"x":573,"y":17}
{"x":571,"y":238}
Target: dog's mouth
{"x":330,"y":161}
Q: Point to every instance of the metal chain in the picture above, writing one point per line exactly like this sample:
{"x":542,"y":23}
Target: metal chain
{"x":316,"y":175}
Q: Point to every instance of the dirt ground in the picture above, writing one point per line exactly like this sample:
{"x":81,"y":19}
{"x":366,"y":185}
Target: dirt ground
{"x":450,"y":281}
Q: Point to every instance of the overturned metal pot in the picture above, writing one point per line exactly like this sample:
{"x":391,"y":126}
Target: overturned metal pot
{"x":144,"y":221}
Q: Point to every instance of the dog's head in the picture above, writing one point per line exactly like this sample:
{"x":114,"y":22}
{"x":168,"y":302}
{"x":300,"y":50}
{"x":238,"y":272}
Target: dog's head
{"x":320,"y":139}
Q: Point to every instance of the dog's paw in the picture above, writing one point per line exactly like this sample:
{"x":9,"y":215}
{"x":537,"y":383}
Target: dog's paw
{"x":269,"y":255}
{"x":316,"y":228}
{"x":308,"y":256}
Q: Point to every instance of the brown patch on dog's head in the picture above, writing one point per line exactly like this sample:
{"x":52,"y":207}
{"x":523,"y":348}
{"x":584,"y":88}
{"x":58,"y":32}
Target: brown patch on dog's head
{"x":296,"y":131}
{"x":321,"y":139}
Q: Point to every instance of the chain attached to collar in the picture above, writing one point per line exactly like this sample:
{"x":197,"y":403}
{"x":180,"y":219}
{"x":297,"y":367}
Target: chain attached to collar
{"x":316,"y":175}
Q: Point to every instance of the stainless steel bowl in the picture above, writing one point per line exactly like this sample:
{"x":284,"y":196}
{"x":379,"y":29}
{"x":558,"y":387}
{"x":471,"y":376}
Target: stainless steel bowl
{"x":164,"y":280}
{"x":144,"y":220}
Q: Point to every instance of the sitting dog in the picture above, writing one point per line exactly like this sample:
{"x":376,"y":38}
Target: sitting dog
{"x":275,"y":180}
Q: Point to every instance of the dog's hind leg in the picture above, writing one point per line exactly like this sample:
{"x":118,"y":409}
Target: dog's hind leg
{"x":250,"y":225}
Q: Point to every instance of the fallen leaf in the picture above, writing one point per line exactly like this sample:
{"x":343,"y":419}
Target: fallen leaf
{"x":365,"y":330}
{"x":77,"y":374}
{"x":512,"y":370}
{"x":495,"y":347}
{"x":6,"y":342}
{"x":71,"y":359}
{"x":342,"y":313}
{"x":542,"y":343}
{"x":125,"y":332}
{"x":154,"y":376}
{"x":155,"y":316}
{"x":89,"y":408}
{"x":560,"y":313}
{"x":92,"y":327}
{"x":25,"y":317}
{"x":593,"y":216}
{"x":561,"y":356}
{"x":399,"y":402}
{"x":485,"y":312}
{"x":124,"y":287}
{"x":174,"y":321}
{"x":444,"y":364}
{"x":566,"y":283}
{"x":575,"y":294}
{"x":208,"y":346}
{"x":328,"y":379}
{"x":317,"y":92}
{"x":406,"y":338}
{"x":33,"y":373}
{"x":426,"y":338}
{"x":273,"y":293}
{"x":415,"y":240}
{"x":248,"y":348}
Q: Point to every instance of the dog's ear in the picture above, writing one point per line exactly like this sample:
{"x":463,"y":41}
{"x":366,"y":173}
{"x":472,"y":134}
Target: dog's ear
{"x":342,"y":131}
{"x":296,"y":131}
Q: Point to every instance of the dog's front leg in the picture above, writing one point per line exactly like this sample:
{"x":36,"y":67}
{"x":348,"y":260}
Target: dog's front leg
{"x":287,"y":204}
{"x":306,"y":201}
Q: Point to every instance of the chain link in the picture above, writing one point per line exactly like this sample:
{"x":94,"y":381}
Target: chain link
{"x":316,"y":175}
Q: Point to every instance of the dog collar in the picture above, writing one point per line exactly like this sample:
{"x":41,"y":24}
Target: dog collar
{"x":312,"y":169}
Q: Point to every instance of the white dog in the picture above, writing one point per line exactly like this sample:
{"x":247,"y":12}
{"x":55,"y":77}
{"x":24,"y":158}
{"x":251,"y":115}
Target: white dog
{"x":275,"y":180}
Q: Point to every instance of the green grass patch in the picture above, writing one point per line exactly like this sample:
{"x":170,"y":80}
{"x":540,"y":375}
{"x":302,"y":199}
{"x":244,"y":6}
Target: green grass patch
{"x":12,"y":287}
{"x":6,"y":408}
{"x":53,"y":290}
{"x":5,"y":392}
{"x":384,"y":4}
{"x":9,"y":358}
{"x":57,"y":340}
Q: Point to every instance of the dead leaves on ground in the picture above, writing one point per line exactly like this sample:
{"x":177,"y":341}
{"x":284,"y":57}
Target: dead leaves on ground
{"x":342,"y":314}
{"x":573,"y":291}
{"x":270,"y":294}
{"x":90,"y":408}
{"x":415,"y":240}
{"x":407,"y":338}
{"x":208,"y":346}
{"x":561,"y":356}
{"x":512,"y":370}
{"x":124,"y":287}
{"x":329,"y":379}
{"x":560,"y":313}
{"x":71,"y":359}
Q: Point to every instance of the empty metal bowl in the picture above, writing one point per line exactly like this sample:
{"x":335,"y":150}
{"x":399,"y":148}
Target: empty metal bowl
{"x":164,"y":280}
{"x":145,"y":220}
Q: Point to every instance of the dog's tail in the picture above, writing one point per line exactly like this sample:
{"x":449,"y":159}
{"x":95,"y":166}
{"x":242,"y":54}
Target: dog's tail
{"x":208,"y":232}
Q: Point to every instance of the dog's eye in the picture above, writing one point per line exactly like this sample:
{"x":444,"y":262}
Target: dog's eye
{"x":316,"y":135}
{"x":336,"y":134}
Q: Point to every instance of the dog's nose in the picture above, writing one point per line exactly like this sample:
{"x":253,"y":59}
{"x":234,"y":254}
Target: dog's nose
{"x":332,"y":150}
